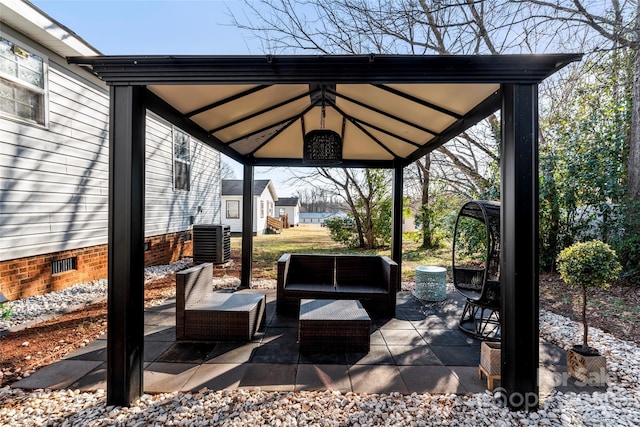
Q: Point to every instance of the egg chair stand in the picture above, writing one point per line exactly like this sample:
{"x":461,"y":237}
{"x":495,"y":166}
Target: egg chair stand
{"x":480,"y":285}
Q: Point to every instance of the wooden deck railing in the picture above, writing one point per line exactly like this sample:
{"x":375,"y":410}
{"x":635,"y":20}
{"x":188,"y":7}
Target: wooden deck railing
{"x":274,"y":225}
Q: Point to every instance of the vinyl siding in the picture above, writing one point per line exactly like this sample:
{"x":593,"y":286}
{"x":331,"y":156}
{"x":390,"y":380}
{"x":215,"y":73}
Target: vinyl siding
{"x":168,"y":210}
{"x":292,"y":211}
{"x":235,"y":224}
{"x":259,"y":224}
{"x":54,"y":181}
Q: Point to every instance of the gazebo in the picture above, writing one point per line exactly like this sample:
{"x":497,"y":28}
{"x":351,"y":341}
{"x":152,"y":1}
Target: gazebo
{"x":381,"y":111}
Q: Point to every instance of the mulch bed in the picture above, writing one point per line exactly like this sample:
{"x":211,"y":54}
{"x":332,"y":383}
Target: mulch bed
{"x":616,"y":310}
{"x":29,"y":349}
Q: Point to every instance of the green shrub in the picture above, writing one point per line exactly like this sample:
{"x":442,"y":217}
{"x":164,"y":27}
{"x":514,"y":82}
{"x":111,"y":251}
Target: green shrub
{"x":590,"y":264}
{"x":627,"y":243}
{"x":343,"y":230}
{"x":471,"y":240}
{"x":5,"y":311}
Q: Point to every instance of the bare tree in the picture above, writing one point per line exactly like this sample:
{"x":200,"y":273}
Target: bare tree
{"x":226,"y":171}
{"x":316,"y":198}
{"x":396,"y":26}
{"x":363,"y":191}
{"x":420,"y":174}
{"x":468,"y":163}
{"x":385,"y":26}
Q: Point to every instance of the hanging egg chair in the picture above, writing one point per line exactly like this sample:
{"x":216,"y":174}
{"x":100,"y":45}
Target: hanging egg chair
{"x":476,"y":267}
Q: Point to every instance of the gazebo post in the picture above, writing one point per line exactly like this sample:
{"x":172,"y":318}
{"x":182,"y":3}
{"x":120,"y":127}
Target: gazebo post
{"x":125,"y":304}
{"x":396,"y":230}
{"x":247,"y":226}
{"x":519,"y":246}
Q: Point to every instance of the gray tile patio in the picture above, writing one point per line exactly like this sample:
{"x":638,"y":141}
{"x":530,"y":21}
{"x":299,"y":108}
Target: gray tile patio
{"x":419,"y":350}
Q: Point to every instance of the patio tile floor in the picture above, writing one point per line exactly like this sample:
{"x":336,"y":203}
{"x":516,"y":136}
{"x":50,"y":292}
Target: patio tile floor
{"x":419,"y":350}
{"x":218,"y":376}
{"x":334,"y":377}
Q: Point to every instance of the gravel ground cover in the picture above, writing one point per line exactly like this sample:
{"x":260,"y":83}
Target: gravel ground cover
{"x":617,"y":405}
{"x":31,"y":310}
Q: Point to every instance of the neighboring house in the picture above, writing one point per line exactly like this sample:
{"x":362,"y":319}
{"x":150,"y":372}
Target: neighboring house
{"x":264,"y":198}
{"x":289,"y":206}
{"x":317,"y":217}
{"x":54,"y":171}
{"x":409,"y":223}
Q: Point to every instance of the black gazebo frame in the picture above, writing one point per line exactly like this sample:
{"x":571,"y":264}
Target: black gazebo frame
{"x":518,"y":77}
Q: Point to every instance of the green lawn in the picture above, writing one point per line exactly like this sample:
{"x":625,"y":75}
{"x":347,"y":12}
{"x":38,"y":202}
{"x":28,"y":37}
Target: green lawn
{"x":308,"y":238}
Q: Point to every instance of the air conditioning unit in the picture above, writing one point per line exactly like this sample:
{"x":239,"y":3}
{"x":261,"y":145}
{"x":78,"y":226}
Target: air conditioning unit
{"x":211,"y":243}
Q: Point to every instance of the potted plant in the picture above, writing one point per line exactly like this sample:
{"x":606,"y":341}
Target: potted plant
{"x":585,"y":265}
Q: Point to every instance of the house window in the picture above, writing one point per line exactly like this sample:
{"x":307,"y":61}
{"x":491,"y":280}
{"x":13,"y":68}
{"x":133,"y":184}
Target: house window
{"x":181,"y":160}
{"x":281,"y":212}
{"x":261,"y":208}
{"x":22,"y":83}
{"x":233,"y":209}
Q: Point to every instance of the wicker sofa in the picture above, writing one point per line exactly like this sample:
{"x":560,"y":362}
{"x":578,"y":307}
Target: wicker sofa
{"x":370,"y":279}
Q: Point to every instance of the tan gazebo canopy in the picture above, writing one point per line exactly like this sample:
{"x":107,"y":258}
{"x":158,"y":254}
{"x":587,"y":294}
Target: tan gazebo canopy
{"x":386,"y":108}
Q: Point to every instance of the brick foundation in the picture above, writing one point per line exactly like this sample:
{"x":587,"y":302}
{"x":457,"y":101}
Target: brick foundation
{"x":25,"y":277}
{"x":168,"y":248}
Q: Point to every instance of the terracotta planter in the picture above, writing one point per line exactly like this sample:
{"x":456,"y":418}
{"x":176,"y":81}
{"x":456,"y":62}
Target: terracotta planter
{"x":490,"y":362}
{"x":589,"y":369}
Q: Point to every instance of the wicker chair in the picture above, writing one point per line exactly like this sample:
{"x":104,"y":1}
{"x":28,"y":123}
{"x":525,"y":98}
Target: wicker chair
{"x":205,"y":315}
{"x":479,"y":283}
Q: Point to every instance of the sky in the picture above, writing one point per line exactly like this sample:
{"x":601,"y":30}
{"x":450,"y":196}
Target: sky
{"x":119,"y":27}
{"x":164,"y":27}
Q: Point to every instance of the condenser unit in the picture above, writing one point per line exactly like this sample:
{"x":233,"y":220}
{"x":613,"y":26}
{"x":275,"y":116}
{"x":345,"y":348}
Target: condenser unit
{"x":211,"y":243}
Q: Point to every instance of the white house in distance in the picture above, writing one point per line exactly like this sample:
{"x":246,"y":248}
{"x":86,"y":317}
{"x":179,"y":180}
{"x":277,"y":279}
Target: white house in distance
{"x":317,"y":217}
{"x":264,"y":198}
{"x":409,"y":223}
{"x":289,"y":206}
{"x":54,"y":171}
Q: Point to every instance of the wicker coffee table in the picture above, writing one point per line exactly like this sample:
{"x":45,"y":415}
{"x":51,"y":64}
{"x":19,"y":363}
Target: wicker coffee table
{"x":328,"y":326}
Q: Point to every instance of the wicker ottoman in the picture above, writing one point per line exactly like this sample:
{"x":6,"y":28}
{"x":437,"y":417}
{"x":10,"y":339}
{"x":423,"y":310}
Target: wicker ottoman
{"x":328,"y":326}
{"x":225,"y":317}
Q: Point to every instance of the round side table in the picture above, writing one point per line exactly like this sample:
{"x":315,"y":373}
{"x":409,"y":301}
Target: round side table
{"x":431,"y":283}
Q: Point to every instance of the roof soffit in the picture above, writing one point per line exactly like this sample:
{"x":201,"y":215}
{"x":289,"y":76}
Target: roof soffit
{"x":37,"y":25}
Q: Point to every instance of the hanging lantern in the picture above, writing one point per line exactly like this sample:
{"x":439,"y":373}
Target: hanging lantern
{"x":322,"y":147}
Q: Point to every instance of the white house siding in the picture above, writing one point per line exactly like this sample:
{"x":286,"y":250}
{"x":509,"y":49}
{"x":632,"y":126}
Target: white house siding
{"x":168,"y":210}
{"x":409,"y":224}
{"x":262,"y":210}
{"x":293,"y":213}
{"x":259,"y":222}
{"x":235,"y":224}
{"x":296,"y":216}
{"x":54,"y":181}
